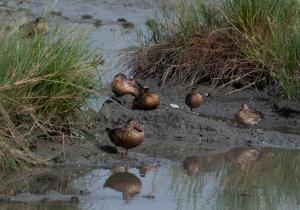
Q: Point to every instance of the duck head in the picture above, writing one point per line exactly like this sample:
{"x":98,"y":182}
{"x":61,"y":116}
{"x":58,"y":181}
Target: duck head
{"x":244,"y":107}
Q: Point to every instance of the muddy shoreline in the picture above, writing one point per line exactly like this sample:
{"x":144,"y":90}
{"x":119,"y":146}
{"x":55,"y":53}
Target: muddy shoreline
{"x":177,"y":133}
{"x":173,"y":134}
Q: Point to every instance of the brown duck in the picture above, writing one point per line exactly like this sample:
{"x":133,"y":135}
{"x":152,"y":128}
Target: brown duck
{"x":125,"y":182}
{"x":128,"y":137}
{"x":146,"y":100}
{"x":248,"y":116}
{"x":121,"y":85}
{"x":38,"y":26}
{"x":194,"y":99}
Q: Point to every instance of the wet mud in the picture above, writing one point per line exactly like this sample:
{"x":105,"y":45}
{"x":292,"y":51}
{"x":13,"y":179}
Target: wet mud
{"x":175,"y":132}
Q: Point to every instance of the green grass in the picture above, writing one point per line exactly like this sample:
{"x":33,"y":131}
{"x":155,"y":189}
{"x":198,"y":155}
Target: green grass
{"x":268,"y":32}
{"x":44,"y":83}
{"x":263,"y":37}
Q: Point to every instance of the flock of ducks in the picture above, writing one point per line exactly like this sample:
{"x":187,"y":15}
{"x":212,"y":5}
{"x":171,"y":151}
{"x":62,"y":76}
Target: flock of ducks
{"x":132,"y":134}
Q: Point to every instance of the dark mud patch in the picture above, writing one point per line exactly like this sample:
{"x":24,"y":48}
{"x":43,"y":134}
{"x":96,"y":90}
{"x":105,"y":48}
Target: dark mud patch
{"x":86,"y":17}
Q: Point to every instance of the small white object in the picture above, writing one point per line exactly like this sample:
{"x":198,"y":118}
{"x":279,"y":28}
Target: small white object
{"x":175,"y":106}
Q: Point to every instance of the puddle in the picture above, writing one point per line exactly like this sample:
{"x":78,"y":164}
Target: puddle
{"x":237,"y":179}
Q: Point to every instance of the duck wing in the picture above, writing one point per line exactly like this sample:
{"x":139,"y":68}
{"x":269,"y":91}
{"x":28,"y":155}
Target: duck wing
{"x":257,"y":112}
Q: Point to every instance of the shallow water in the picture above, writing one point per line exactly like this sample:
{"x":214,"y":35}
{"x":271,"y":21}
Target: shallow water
{"x":236,"y":179}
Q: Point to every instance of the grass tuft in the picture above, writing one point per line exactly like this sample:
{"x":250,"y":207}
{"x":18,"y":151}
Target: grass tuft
{"x":44,"y":83}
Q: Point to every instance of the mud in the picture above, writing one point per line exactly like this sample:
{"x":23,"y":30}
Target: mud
{"x":173,"y":133}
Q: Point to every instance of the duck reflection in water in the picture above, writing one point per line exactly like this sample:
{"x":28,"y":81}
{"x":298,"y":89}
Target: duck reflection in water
{"x":147,"y":167}
{"x":191,"y":165}
{"x":125,"y":182}
{"x":247,"y":158}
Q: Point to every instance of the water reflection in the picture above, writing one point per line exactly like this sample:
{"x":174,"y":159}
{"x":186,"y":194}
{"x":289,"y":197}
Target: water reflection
{"x":125,"y":182}
{"x":192,"y":165}
{"x":148,"y":167}
{"x":242,"y":178}
{"x":257,"y":178}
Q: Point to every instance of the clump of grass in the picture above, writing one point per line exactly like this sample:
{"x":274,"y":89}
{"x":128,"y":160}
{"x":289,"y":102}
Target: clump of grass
{"x":260,"y":44}
{"x":44,"y":82}
{"x":268,"y":32}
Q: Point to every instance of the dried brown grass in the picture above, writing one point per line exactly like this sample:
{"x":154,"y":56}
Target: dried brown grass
{"x":186,"y":61}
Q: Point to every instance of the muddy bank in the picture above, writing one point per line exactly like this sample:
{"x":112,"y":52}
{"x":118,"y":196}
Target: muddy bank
{"x":175,"y":133}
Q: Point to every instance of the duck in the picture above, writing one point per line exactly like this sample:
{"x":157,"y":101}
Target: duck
{"x":129,"y":136}
{"x":248,"y":116}
{"x":125,"y":182}
{"x":122,"y":85}
{"x":38,"y":26}
{"x":146,"y":100}
{"x":194,"y":99}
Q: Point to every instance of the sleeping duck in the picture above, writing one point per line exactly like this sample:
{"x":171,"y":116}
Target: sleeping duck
{"x":194,"y":99}
{"x":121,"y":85}
{"x":146,"y":100}
{"x":248,"y":116}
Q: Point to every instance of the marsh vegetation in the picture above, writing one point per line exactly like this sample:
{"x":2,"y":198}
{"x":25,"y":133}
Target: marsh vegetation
{"x":228,"y":42}
{"x":45,"y":80}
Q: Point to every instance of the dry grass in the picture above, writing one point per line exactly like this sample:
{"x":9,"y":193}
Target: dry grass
{"x":232,"y":42}
{"x":203,"y":57}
